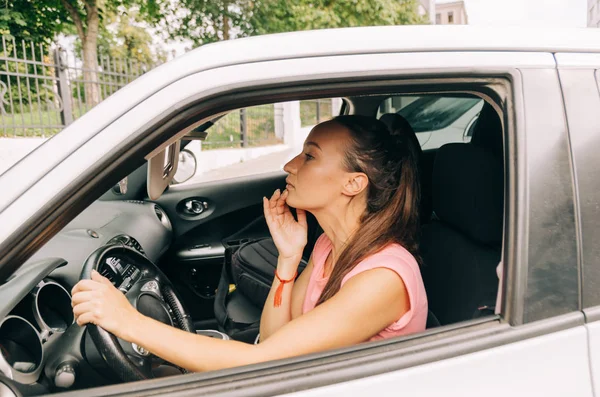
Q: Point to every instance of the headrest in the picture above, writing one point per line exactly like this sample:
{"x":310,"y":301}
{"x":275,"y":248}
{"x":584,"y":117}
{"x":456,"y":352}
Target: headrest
{"x":401,"y":126}
{"x":468,"y":191}
{"x":487,"y":132}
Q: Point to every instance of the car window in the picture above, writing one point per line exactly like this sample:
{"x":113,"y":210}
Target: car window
{"x":257,"y":139}
{"x":437,"y":119}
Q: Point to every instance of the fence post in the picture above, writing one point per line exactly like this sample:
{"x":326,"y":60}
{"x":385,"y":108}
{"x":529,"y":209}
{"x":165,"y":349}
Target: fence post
{"x":279,"y":123}
{"x":244,"y":128}
{"x":66,"y":113}
{"x":318,"y":111}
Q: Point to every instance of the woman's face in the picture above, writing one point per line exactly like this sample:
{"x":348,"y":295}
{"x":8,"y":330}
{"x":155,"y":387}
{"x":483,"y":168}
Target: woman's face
{"x":317,"y":175}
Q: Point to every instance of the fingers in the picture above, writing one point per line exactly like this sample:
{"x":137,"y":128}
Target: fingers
{"x":301,"y":217}
{"x":82,"y":308}
{"x":100,"y":278}
{"x":274,"y":198}
{"x":86,"y":285}
{"x":86,"y":318}
{"x":82,"y":296}
{"x":281,"y":205}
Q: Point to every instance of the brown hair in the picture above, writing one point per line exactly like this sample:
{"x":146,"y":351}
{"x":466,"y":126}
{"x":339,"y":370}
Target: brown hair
{"x":392,"y":214}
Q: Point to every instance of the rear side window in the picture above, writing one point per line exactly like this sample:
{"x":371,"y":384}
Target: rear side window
{"x":437,"y":119}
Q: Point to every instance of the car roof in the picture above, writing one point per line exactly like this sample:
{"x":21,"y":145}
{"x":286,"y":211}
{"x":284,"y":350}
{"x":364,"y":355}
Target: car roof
{"x":407,"y":38}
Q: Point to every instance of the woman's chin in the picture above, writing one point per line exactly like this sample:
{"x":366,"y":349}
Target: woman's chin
{"x":291,"y":201}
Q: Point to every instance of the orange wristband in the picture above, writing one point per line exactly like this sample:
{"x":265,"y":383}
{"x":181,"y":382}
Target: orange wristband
{"x":279,"y":291}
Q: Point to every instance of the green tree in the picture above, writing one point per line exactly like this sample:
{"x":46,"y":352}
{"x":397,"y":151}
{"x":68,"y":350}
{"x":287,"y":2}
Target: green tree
{"x":274,"y":16}
{"x":206,"y":21}
{"x":86,"y":16}
{"x":31,"y":20}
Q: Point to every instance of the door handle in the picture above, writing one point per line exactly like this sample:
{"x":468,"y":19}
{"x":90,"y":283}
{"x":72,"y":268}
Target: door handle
{"x":195,"y":207}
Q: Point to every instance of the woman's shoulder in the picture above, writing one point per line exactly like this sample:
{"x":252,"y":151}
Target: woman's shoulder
{"x":392,"y":251}
{"x":394,"y":257}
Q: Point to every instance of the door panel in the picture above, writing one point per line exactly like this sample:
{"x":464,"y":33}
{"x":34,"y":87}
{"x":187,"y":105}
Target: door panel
{"x":232,"y":216}
{"x":579,"y":79}
{"x":593,"y":328}
{"x":551,"y":365}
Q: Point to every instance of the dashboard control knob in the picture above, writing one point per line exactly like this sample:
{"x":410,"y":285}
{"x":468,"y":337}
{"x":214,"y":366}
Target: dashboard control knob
{"x":65,"y":375}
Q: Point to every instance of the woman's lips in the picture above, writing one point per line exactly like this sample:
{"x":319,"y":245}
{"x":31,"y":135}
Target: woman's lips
{"x":288,"y":184}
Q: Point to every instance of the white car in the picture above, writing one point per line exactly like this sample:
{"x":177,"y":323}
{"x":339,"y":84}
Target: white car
{"x":521,"y":197}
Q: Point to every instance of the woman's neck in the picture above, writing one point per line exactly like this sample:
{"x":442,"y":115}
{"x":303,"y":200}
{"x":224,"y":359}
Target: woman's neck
{"x":339,"y":226}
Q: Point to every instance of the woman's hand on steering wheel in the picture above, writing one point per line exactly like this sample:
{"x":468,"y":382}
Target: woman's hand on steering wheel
{"x":288,"y":234}
{"x":97,"y":301}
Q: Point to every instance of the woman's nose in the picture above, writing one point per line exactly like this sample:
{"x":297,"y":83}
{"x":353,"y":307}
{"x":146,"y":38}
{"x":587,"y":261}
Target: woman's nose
{"x":290,"y":166}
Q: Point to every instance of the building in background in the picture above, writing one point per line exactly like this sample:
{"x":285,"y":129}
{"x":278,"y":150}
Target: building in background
{"x":593,"y":16}
{"x":451,"y":13}
{"x":427,"y":8}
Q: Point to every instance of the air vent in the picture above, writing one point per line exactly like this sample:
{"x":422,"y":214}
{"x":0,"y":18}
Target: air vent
{"x":162,"y":217}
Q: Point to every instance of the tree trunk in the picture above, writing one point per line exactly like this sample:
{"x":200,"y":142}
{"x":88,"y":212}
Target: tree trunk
{"x":90,"y":59}
{"x":225,"y":27}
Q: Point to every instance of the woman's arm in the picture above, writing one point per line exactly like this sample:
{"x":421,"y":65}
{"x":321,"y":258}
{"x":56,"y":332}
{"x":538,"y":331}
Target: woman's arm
{"x":272,"y":317}
{"x":290,"y":238}
{"x":366,"y":304}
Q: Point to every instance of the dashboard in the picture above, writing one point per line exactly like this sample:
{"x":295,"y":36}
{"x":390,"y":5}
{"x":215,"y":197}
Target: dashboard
{"x":36,"y":318}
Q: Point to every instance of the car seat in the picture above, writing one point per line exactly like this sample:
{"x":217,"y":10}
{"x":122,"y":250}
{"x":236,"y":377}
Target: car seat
{"x":461,"y":246}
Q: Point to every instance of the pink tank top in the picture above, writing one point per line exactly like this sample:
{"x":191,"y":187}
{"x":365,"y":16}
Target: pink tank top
{"x":394,"y":257}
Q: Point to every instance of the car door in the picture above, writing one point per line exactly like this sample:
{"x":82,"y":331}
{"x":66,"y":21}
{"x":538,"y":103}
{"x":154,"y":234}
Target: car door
{"x":579,"y":75}
{"x":540,"y":319}
{"x":550,"y":279}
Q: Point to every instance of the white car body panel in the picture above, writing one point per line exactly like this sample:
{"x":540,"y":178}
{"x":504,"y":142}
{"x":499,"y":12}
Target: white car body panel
{"x":553,"y":365}
{"x":594,"y":353}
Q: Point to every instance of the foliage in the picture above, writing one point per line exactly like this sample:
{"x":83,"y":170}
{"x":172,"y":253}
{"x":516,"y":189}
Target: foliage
{"x":124,"y":36}
{"x":273,"y":16}
{"x":205,"y":21}
{"x":36,"y":20}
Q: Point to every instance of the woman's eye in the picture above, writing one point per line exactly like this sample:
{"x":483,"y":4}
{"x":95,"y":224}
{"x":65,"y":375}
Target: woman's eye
{"x":308,"y":156}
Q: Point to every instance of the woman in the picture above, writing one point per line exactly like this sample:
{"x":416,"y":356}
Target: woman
{"x":361,"y":283}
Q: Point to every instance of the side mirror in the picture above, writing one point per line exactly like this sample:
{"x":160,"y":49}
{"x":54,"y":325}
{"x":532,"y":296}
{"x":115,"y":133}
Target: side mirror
{"x":187,"y":166}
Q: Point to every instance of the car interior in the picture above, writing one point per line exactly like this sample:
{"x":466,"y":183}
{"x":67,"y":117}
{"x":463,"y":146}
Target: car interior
{"x":199,"y":256}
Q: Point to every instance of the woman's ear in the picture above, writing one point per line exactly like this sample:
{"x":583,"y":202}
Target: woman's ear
{"x":355,"y":184}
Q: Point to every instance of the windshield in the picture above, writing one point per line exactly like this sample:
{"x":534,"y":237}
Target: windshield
{"x":430,"y":113}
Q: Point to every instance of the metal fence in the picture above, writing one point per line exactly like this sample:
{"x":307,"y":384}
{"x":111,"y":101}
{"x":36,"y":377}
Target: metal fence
{"x":314,"y":111}
{"x":253,"y":126}
{"x":42,"y":89}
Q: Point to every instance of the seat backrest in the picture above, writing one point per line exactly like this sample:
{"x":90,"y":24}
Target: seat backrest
{"x":461,"y":247}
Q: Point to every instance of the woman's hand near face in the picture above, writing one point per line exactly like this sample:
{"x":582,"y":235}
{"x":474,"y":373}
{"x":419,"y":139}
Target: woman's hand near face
{"x":288,"y":234}
{"x":97,"y":301}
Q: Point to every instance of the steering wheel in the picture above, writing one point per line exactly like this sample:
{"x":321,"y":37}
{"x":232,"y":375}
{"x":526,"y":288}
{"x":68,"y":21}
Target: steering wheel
{"x":149,"y":291}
